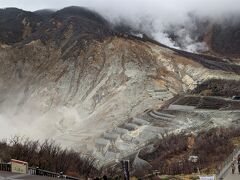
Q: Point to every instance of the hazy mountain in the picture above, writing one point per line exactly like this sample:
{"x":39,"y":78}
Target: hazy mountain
{"x":71,"y":75}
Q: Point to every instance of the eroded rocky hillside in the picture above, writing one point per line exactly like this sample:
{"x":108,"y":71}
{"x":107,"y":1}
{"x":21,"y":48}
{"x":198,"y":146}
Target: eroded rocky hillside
{"x":69,"y":76}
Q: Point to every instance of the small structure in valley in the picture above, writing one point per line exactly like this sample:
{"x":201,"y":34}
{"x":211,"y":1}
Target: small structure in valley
{"x":236,"y":98}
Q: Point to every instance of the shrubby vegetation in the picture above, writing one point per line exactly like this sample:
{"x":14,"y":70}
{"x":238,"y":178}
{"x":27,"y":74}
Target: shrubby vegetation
{"x":171,"y":155}
{"x":48,"y":156}
{"x":173,"y":151}
{"x":216,"y":87}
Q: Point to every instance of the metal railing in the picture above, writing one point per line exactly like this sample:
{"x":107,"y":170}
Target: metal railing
{"x":40,"y":172}
{"x":5,"y":167}
{"x":226,"y":165}
{"x":157,"y":173}
{"x":154,"y":174}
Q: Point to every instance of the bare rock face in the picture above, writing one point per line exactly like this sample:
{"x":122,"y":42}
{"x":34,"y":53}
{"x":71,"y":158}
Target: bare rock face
{"x":100,"y":87}
{"x":72,"y":82}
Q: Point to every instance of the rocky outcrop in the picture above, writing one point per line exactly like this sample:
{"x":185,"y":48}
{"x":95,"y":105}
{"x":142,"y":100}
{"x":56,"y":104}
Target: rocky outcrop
{"x":102,"y":86}
{"x":73,"y":79}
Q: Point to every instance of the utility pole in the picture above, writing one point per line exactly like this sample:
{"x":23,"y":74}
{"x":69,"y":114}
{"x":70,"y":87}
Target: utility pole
{"x":125,"y":166}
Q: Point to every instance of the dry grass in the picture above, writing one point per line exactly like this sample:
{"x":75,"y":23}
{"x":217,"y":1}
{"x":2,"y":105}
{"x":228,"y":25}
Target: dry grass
{"x":236,"y":141}
{"x":212,"y":148}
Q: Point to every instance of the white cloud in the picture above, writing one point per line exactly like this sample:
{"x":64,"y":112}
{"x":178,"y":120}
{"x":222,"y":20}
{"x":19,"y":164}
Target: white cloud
{"x":175,"y":8}
{"x":152,"y":16}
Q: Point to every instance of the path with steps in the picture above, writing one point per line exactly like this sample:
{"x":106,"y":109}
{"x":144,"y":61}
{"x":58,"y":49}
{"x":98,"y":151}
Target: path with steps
{"x":198,"y":126}
{"x":230,"y":176}
{"x":225,"y":172}
{"x":162,"y":116}
{"x":129,"y":135}
{"x":126,"y":139}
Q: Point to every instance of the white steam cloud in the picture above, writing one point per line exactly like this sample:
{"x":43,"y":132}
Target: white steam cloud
{"x":151,"y":16}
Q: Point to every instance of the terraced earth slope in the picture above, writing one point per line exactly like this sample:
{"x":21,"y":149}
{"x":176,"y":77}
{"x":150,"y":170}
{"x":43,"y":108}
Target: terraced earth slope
{"x":69,"y":76}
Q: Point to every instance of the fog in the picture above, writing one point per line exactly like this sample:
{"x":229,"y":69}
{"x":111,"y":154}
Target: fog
{"x":31,"y":121}
{"x":153,"y":17}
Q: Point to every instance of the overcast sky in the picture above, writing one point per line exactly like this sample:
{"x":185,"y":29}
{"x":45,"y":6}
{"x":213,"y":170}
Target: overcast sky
{"x":156,"y":14}
{"x":169,"y":10}
{"x":206,"y":6}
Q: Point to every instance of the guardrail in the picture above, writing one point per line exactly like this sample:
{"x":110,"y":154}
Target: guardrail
{"x":5,"y":167}
{"x":157,"y":173}
{"x":40,"y":172}
{"x":154,"y":174}
{"x":226,"y":165}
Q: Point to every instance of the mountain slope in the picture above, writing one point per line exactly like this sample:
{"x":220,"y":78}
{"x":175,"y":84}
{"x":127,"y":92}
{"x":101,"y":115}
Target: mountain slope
{"x":74,"y":78}
{"x":219,"y":38}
